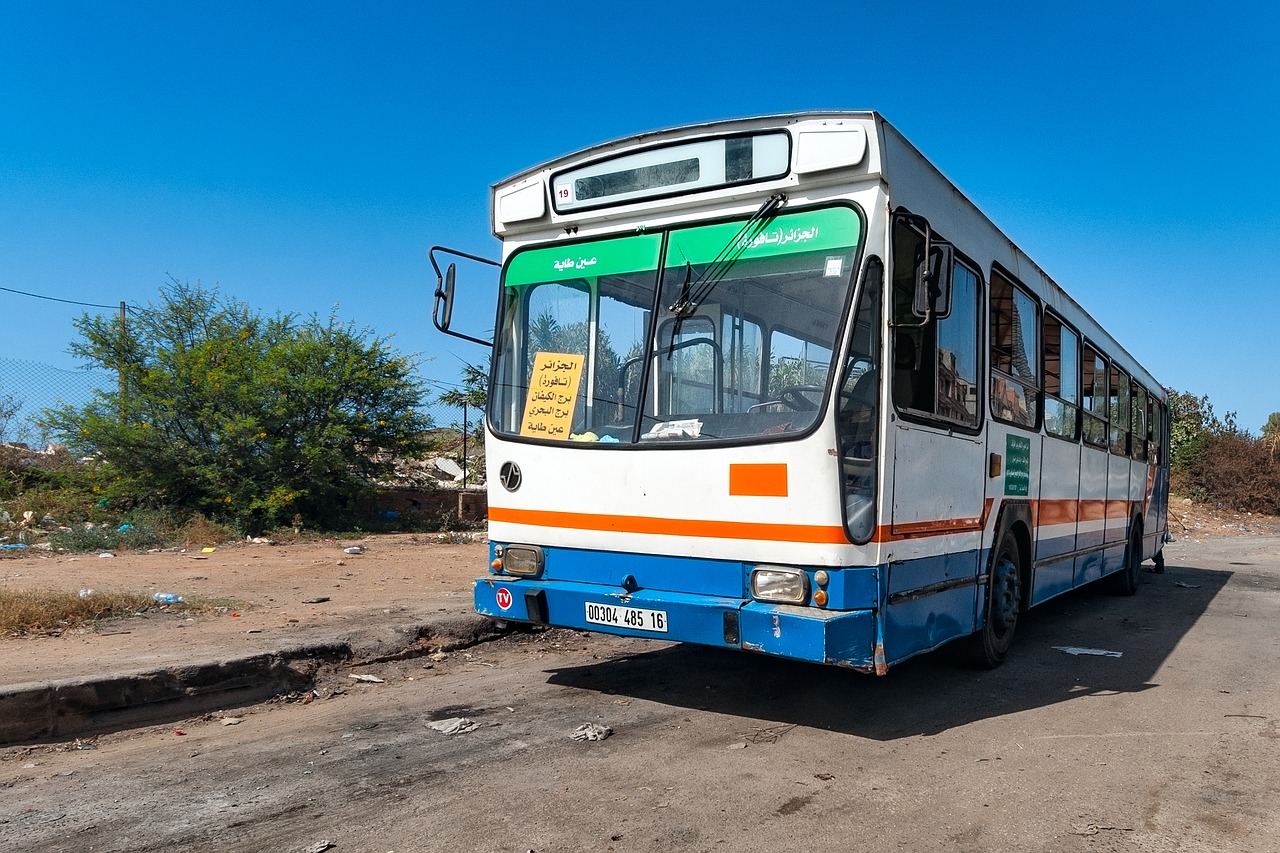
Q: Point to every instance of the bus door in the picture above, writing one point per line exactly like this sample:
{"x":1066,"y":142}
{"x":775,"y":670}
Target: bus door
{"x":938,"y":470}
{"x":1094,"y":464}
{"x":1120,"y":469}
{"x":1014,"y":443}
{"x":1059,"y":507}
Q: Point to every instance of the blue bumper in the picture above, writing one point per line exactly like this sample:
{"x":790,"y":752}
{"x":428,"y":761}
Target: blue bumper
{"x":845,"y":638}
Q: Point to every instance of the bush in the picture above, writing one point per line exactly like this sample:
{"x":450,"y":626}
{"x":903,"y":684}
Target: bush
{"x":106,"y":537}
{"x":1237,"y":470}
{"x":250,"y":420}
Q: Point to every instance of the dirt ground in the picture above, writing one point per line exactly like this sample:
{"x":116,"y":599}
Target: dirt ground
{"x":272,"y":593}
{"x":1196,"y":522}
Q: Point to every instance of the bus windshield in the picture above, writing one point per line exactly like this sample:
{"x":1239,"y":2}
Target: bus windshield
{"x":601,"y":341}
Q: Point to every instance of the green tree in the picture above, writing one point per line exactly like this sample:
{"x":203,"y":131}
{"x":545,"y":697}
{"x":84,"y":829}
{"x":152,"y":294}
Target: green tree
{"x":474,"y":390}
{"x":1271,"y":434}
{"x":248,"y":418}
{"x":1192,"y":423}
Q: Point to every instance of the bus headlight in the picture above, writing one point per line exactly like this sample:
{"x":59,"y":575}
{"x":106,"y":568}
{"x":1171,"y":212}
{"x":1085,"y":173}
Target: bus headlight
{"x":524,"y":560}
{"x":772,"y":583}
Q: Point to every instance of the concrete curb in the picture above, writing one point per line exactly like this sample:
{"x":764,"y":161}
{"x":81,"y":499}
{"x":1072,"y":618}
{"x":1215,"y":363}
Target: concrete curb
{"x":74,"y":707}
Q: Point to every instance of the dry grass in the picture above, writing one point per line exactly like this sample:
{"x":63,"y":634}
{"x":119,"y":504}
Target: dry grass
{"x":199,"y":530}
{"x":49,"y":611}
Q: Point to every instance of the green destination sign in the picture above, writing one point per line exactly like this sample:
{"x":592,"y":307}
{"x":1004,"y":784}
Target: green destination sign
{"x":585,"y":260}
{"x":829,"y":229}
{"x":1017,"y":465}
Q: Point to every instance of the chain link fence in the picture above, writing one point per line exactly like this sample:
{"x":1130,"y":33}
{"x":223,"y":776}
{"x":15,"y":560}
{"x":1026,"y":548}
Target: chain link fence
{"x":27,"y":388}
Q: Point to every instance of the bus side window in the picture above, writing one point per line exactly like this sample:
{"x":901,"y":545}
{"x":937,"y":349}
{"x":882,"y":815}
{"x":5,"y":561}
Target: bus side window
{"x":1015,"y":351}
{"x":1155,"y":429}
{"x":935,"y":361}
{"x":1061,"y":379}
{"x":1093,"y":381}
{"x":1121,"y":421}
{"x":1140,"y":439}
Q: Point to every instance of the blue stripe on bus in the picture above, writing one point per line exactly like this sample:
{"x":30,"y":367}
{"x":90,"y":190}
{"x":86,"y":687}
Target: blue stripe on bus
{"x":650,"y":571}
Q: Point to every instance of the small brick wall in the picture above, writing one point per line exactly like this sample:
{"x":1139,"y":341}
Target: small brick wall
{"x":465,"y":505}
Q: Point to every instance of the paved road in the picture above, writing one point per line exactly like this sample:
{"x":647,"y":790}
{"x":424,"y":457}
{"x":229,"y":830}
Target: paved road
{"x":1171,"y":747}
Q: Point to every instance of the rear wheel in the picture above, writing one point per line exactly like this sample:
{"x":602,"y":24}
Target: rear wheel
{"x":1125,"y":581}
{"x":991,"y":645}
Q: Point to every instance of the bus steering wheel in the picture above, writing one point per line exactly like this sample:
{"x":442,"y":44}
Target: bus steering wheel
{"x":793,"y":396}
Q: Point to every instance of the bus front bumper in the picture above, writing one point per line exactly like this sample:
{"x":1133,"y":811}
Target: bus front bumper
{"x":842,"y":638}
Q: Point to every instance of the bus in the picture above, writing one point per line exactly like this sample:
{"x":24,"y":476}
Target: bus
{"x":775,"y":384}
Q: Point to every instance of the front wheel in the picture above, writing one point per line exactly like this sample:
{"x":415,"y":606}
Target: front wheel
{"x":991,"y":645}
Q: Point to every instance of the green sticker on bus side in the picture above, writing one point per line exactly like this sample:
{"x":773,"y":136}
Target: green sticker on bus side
{"x":584,"y":260}
{"x":832,"y":228}
{"x":1017,"y":465}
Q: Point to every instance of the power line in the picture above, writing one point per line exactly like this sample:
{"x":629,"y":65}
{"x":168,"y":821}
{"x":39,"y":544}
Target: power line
{"x":56,"y":299}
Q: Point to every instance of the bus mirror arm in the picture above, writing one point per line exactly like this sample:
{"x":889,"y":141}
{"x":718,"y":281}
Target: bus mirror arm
{"x":442,"y":308}
{"x":932,"y":297}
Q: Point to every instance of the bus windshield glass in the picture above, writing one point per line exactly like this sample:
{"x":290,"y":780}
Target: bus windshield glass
{"x":697,"y":334}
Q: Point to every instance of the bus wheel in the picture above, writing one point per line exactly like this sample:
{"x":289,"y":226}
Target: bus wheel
{"x":1125,"y":581}
{"x":1004,"y":603}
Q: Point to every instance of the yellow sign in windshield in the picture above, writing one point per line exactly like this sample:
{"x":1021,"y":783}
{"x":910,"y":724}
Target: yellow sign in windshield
{"x":553,"y":395}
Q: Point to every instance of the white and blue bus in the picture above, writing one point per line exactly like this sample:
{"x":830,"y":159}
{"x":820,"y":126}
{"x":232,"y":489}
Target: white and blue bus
{"x":776,"y":384}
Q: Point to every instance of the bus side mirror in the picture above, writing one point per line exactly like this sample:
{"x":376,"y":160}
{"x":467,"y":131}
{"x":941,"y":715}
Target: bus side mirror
{"x":932,"y":299}
{"x":443,"y":309}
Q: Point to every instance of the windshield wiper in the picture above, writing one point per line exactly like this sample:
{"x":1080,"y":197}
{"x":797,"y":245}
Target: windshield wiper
{"x":693,"y":293}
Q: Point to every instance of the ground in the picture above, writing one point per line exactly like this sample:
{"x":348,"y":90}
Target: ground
{"x":1201,"y":521}
{"x":272,"y":593}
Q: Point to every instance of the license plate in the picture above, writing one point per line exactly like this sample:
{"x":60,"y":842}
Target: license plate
{"x":627,"y":617}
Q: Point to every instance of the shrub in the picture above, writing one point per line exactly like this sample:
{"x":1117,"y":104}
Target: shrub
{"x":248,"y":419}
{"x":1237,"y":470}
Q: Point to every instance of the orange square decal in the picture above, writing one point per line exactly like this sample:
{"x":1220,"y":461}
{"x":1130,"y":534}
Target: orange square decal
{"x":765,"y":480}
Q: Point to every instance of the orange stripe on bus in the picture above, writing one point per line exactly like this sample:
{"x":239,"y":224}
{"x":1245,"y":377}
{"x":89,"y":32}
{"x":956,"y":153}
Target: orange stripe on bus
{"x":811,"y":533}
{"x":1046,"y":512}
{"x":766,"y":480}
{"x":941,"y":527}
{"x":1057,"y":512}
{"x":1092,"y":511}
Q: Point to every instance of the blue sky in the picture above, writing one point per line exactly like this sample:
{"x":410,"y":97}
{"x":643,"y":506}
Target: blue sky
{"x":306,"y":155}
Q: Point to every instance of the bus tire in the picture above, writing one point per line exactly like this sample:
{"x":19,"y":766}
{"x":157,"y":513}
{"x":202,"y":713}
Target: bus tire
{"x":1125,"y":581}
{"x":990,"y":645}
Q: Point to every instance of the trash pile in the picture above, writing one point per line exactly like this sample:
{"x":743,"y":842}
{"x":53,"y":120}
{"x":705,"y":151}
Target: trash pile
{"x":23,"y":532}
{"x":16,"y":456}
